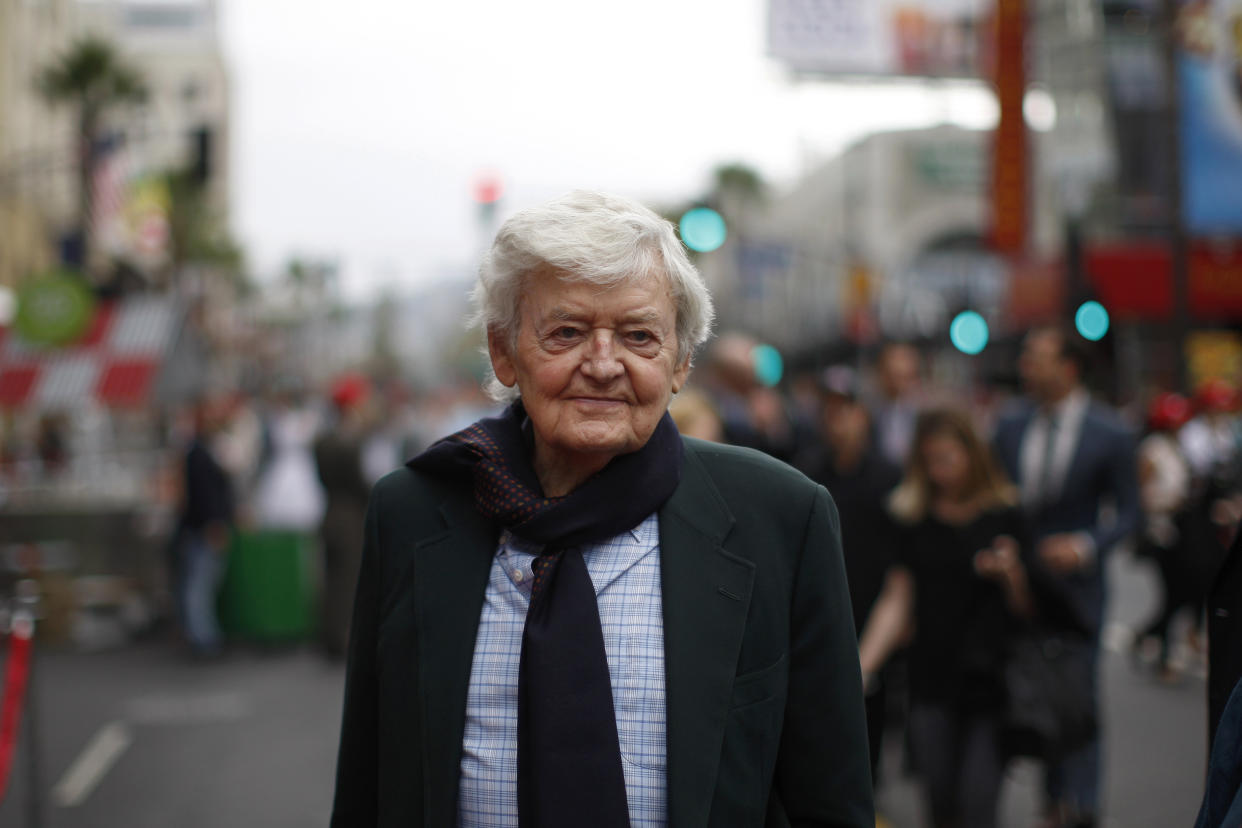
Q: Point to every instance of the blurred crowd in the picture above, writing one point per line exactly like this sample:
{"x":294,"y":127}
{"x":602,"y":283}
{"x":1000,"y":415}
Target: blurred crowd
{"x":296,"y":463}
{"x":970,"y":524}
{"x":975,"y":524}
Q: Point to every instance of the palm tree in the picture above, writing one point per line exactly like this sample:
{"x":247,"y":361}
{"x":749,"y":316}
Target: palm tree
{"x":92,"y":78}
{"x":738,"y":189}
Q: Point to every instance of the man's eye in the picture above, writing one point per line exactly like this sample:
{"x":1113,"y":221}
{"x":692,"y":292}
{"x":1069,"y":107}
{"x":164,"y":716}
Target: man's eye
{"x":565,"y":333}
{"x":640,"y":337}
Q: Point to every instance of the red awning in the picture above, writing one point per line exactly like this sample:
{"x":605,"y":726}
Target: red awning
{"x":1134,"y":279}
{"x":115,"y":362}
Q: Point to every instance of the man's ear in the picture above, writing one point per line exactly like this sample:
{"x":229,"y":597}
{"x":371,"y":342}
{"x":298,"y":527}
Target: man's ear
{"x":680,"y":374}
{"x":502,"y":361}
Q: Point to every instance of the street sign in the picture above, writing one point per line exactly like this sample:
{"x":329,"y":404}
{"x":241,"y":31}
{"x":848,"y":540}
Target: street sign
{"x":53,"y":309}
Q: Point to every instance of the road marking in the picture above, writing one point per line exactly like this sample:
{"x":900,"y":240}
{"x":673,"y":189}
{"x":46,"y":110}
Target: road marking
{"x":188,"y":710}
{"x":89,"y":769}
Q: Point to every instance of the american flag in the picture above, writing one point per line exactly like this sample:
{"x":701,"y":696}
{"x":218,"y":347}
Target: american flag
{"x":109,"y":185}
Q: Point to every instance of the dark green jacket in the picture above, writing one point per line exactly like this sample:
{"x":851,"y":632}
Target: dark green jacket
{"x":764,"y":703}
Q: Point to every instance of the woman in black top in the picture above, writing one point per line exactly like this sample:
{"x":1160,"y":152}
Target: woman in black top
{"x":960,"y":588}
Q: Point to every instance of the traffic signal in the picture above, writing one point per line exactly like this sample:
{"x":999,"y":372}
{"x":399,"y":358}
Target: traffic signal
{"x":488,"y":188}
{"x":769,"y":367}
{"x":969,"y":332}
{"x":1091,"y":320}
{"x":703,"y":229}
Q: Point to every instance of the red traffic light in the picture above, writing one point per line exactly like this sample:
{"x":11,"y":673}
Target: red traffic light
{"x":488,"y":189}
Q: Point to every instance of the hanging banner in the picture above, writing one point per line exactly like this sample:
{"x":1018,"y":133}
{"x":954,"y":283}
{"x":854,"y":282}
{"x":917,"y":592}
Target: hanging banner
{"x":921,"y":38}
{"x":1210,"y":77}
{"x":1009,"y":147}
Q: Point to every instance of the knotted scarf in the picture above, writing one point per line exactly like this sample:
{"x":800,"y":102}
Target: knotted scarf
{"x":569,"y":755}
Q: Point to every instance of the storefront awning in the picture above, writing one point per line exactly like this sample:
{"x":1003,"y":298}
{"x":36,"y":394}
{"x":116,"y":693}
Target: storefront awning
{"x":115,"y":363}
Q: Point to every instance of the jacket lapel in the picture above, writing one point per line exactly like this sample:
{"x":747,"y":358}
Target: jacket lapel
{"x":706,"y":593}
{"x":451,"y":572}
{"x":1080,"y":460}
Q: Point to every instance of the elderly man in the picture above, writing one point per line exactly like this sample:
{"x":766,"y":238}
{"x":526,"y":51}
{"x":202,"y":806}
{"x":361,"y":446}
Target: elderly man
{"x":569,"y":614}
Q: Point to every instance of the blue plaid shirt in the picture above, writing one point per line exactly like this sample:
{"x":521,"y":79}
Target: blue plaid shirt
{"x":626,"y":573}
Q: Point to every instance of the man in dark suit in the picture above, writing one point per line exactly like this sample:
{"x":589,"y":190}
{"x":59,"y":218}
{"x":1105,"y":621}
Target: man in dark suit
{"x":1071,"y":457}
{"x":1224,"y":610}
{"x":569,"y":615}
{"x":1222,"y":795}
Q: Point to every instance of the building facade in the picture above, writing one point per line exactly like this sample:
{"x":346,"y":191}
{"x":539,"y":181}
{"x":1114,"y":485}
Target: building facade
{"x":183,"y":124}
{"x":886,"y":239}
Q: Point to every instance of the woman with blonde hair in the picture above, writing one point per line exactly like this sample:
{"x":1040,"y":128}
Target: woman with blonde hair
{"x":960,"y":590}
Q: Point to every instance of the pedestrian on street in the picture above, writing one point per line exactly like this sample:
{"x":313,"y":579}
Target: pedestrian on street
{"x":1222,"y":798}
{"x":1164,"y":489}
{"x":960,"y":588}
{"x":570,"y":615}
{"x":860,"y":480}
{"x":1222,"y":795}
{"x":1212,"y":443}
{"x":1070,"y":456}
{"x":896,"y":406}
{"x":1224,"y":604}
{"x":204,"y":532}
{"x":338,"y":462}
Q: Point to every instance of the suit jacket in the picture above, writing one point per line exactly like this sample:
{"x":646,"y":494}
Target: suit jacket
{"x":764,"y":701}
{"x":1224,"y":611}
{"x":1222,"y":795}
{"x":1102,"y":467}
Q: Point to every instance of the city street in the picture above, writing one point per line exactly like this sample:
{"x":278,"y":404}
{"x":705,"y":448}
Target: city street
{"x":143,"y":738}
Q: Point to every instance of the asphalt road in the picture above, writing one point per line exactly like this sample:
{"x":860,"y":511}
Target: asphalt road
{"x":141,"y":737}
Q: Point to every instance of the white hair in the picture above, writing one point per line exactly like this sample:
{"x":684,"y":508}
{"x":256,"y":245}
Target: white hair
{"x":592,"y":237}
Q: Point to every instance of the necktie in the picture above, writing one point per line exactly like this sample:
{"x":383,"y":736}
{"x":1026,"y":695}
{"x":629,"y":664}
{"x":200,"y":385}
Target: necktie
{"x":569,"y":756}
{"x":1044,"y":493}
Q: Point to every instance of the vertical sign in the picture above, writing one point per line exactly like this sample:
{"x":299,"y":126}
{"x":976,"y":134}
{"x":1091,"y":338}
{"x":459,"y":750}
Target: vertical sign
{"x":1209,"y":67}
{"x":1009,"y":149}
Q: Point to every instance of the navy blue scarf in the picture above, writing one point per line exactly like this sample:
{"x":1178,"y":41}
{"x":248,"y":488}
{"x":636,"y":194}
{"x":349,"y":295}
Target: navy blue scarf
{"x":495,"y":454}
{"x":569,"y":755}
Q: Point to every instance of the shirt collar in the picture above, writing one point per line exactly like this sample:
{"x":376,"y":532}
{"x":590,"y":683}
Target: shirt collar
{"x":607,"y":560}
{"x":1071,"y":408}
{"x":644,"y":534}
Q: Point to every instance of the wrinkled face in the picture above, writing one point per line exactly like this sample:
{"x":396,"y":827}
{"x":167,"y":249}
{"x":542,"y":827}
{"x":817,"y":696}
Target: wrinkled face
{"x":947,"y":463}
{"x":595,"y":367}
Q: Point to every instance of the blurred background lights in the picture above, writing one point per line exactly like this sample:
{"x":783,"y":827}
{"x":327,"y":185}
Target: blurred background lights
{"x":769,"y":367}
{"x":8,"y":305}
{"x":969,"y":332}
{"x":703,"y":229}
{"x":1091,"y":321}
{"x":1040,"y":109}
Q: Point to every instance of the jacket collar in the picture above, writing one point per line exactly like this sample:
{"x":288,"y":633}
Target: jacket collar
{"x":450,"y":577}
{"x":706,"y":598}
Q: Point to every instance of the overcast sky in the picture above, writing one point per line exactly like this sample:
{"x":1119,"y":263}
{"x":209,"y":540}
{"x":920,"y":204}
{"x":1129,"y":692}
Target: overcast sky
{"x":359,"y":127}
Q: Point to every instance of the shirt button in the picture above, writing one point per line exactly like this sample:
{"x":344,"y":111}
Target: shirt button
{"x":519,"y":575}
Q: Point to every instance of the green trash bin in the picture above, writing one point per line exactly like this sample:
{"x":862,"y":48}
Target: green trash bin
{"x":269,"y":587}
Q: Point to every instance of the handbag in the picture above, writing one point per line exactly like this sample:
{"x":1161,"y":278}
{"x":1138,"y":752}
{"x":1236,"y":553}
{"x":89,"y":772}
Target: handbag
{"x":1050,"y":705}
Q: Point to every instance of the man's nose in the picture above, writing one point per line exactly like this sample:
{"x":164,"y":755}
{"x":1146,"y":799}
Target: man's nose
{"x":601,"y":363}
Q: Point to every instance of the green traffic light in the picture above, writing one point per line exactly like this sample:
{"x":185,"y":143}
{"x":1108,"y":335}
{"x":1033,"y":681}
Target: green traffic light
{"x":703,"y":229}
{"x":969,"y":332}
{"x":769,"y":367}
{"x":1092,"y":321}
